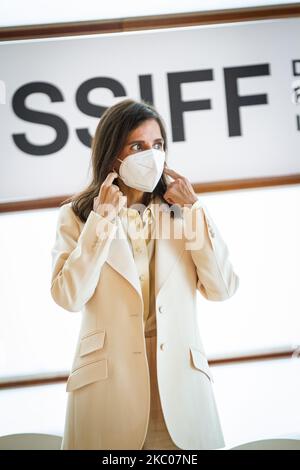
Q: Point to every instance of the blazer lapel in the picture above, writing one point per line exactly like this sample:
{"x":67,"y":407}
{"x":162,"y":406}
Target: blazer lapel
{"x":168,"y":249}
{"x":120,"y":258}
{"x":168,"y":245}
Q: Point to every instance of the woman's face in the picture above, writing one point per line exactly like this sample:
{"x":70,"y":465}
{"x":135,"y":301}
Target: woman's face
{"x":144,"y":137}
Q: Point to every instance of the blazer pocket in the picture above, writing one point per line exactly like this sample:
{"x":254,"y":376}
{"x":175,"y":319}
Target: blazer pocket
{"x":87,"y":374}
{"x":200,"y":362}
{"x":91,"y":342}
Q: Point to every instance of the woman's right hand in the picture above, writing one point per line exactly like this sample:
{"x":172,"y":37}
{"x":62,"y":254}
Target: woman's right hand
{"x":110,"y":199}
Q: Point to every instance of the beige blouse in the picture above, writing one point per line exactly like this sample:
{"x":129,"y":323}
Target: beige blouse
{"x":140,"y":234}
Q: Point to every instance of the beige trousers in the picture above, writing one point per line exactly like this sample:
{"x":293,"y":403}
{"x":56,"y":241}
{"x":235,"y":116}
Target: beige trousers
{"x":157,"y":434}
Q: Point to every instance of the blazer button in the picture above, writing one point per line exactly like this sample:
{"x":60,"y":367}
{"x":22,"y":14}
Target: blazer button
{"x":160,"y":308}
{"x":163,"y":346}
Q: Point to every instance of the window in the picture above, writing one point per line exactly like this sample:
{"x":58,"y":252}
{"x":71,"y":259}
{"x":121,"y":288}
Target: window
{"x":36,"y":335}
{"x":262,"y":230}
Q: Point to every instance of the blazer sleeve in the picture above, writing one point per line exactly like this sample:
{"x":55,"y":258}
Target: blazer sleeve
{"x":78,"y":256}
{"x":216,"y":278}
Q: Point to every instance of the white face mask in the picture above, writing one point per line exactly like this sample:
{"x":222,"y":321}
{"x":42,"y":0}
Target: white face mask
{"x":142,"y":170}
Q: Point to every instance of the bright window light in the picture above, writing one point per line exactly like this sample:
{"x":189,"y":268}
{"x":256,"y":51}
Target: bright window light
{"x":262,"y":230}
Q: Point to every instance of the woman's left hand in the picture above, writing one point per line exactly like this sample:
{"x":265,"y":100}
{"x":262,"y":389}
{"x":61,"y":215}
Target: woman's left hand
{"x":179,"y":191}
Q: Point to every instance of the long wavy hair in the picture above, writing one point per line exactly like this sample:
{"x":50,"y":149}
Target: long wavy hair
{"x":111,"y":133}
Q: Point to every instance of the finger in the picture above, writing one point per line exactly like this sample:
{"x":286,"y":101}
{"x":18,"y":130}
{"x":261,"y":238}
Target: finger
{"x":108,"y":181}
{"x":110,"y":177}
{"x":172,"y":173}
{"x":169,"y":200}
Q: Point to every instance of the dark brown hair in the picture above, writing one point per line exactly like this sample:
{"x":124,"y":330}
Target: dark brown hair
{"x":111,"y":133}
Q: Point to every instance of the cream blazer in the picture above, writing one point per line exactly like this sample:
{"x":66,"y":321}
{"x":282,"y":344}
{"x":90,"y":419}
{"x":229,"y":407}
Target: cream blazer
{"x":93,"y":271}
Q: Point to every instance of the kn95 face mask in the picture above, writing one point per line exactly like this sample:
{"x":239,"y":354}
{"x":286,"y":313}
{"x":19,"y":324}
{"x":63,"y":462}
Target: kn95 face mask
{"x":142,"y":170}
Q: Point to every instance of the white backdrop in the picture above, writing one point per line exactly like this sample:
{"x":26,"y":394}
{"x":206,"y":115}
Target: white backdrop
{"x":225,"y":93}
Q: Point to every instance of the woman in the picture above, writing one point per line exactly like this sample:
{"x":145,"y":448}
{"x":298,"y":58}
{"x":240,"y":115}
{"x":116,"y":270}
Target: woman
{"x":139,"y":378}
